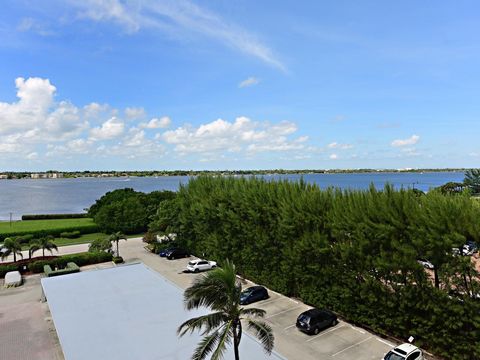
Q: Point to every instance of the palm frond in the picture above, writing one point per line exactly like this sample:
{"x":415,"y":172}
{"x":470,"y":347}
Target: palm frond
{"x":6,"y":254}
{"x":219,"y":289}
{"x":206,"y":323}
{"x":206,"y":346}
{"x":253,"y":312}
{"x":224,"y":339}
{"x":263,"y":332}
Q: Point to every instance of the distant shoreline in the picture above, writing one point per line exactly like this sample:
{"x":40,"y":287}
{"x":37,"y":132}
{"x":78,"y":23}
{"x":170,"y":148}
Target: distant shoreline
{"x":6,"y":175}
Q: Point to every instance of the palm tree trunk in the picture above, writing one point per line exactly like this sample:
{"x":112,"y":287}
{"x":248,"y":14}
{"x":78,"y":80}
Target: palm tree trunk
{"x":236,"y":339}
{"x":43,"y":250}
{"x":235,"y":346}
{"x":117,"y":248}
{"x":14,"y":257}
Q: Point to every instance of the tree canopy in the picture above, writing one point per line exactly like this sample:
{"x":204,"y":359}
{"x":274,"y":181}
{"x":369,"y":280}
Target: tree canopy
{"x":354,"y":252}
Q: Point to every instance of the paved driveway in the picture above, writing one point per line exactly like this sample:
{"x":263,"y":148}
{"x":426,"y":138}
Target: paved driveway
{"x":340,"y":342}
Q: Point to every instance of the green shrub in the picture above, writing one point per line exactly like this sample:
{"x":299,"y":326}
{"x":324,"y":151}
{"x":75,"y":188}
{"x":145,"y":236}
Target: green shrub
{"x":100,"y":244}
{"x":53,"y":216}
{"x":117,"y":259}
{"x":156,"y":247}
{"x":6,"y":268}
{"x":70,"y":234}
{"x":81,"y":259}
{"x":149,"y":237}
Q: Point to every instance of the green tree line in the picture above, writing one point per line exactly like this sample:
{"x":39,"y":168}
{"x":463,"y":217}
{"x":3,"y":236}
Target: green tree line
{"x":352,"y":251}
{"x":126,"y":210}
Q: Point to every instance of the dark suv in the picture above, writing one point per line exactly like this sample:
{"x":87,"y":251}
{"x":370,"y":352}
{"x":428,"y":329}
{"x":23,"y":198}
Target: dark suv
{"x":176,"y":254}
{"x":253,"y":294}
{"x":314,"y":320}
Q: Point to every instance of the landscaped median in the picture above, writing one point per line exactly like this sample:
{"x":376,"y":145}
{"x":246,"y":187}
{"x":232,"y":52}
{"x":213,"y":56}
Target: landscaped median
{"x":60,"y":262}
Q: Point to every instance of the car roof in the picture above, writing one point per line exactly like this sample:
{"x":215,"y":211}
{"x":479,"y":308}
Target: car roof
{"x":406,"y":348}
{"x":256,"y":287}
{"x":314,"y":311}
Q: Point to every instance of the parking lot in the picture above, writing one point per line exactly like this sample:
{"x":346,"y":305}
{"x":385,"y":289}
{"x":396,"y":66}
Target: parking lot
{"x":340,"y":342}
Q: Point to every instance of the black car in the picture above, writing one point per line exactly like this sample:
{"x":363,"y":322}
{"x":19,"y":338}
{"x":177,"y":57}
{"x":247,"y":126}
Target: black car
{"x":176,"y":254}
{"x":314,"y":320}
{"x":253,"y":294}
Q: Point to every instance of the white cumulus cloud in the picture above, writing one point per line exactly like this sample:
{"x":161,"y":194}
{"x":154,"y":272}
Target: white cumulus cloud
{"x":243,"y":134}
{"x":156,"y":123}
{"x":412,"y":140}
{"x":335,"y":145}
{"x":249,"y":82}
{"x":110,"y":129}
{"x":134,"y":113}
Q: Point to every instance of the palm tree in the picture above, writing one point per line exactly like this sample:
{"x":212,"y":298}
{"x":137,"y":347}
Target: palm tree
{"x":45,"y":243}
{"x":472,"y":180}
{"x":220,"y":291}
{"x":117,"y":237}
{"x":32,"y":247}
{"x":12,"y":246}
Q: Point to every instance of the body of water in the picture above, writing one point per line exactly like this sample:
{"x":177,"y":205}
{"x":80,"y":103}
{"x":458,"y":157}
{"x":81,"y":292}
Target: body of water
{"x":50,"y":196}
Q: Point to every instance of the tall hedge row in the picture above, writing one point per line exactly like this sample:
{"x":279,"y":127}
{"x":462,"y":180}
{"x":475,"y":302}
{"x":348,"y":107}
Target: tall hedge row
{"x":53,"y":216}
{"x":354,"y":252}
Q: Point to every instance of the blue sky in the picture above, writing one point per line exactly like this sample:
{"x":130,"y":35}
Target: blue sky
{"x":220,"y":84}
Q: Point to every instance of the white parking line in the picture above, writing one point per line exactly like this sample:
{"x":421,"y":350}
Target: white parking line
{"x":325,"y":332}
{"x":385,"y":342}
{"x":289,"y":327}
{"x":281,"y":312}
{"x":268,"y":301}
{"x":360,"y":331}
{"x":351,"y":346}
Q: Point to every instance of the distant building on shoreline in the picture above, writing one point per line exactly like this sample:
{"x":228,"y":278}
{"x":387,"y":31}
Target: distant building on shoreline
{"x":49,"y":175}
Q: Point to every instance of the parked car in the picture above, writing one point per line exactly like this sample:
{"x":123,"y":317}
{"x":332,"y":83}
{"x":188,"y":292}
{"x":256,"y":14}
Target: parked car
{"x":405,"y":351}
{"x":163,"y":253}
{"x":314,"y":320}
{"x":253,"y":294}
{"x":426,"y":264}
{"x":469,"y":249}
{"x":198,"y":265}
{"x":473,"y":245}
{"x":177,"y":254}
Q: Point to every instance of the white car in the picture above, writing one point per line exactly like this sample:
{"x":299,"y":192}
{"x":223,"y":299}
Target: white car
{"x":426,"y":264}
{"x":405,"y":351}
{"x":198,"y":265}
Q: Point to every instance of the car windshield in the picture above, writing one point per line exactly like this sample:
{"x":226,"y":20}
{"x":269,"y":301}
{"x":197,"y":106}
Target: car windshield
{"x":192,"y":263}
{"x":304,"y":318}
{"x":247,"y":292}
{"x":393,"y":356}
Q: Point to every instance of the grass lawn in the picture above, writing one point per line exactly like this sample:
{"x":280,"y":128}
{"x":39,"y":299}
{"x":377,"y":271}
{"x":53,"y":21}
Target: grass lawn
{"x":83,"y":239}
{"x":39,"y":225}
{"x":87,"y":238}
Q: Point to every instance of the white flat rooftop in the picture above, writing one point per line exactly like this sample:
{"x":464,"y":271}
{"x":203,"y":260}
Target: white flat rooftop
{"x":124,"y":313}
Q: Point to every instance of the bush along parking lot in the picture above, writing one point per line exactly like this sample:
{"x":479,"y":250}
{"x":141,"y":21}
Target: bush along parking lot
{"x":36,"y":266}
{"x":354,"y":252}
{"x":80,"y":259}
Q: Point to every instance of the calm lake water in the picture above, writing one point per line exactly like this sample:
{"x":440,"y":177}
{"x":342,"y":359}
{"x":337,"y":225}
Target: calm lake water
{"x":45,"y":196}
